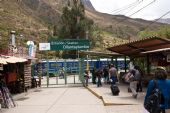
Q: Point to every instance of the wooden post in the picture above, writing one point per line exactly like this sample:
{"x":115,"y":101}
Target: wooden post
{"x":125,"y":64}
{"x":148,"y":64}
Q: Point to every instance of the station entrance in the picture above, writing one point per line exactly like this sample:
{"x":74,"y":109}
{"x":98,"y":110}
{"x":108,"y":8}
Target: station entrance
{"x":70,"y":71}
{"x":60,"y":72}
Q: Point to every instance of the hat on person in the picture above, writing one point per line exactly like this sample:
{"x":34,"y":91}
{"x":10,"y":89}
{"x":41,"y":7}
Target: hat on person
{"x":111,"y":65}
{"x":160,"y":67}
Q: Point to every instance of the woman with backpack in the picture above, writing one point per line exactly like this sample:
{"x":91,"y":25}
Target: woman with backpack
{"x":162,"y":104}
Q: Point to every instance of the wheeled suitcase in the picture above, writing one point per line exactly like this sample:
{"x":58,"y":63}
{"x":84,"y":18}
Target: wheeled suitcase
{"x":115,"y":89}
{"x":129,"y":90}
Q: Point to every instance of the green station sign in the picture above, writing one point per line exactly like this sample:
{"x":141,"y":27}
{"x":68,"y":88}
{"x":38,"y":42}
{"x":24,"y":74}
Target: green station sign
{"x":70,"y":44}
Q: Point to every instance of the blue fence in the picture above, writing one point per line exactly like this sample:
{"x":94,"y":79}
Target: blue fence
{"x":72,"y":66}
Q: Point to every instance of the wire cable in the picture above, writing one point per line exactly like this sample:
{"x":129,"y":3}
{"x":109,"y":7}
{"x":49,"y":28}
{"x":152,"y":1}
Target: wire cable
{"x":136,"y":12}
{"x":133,"y":8}
{"x":124,"y":8}
{"x":119,"y":9}
{"x":142,"y":8}
{"x":156,"y":20}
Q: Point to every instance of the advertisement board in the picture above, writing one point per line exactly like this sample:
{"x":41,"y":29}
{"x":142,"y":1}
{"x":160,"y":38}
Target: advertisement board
{"x":44,"y":46}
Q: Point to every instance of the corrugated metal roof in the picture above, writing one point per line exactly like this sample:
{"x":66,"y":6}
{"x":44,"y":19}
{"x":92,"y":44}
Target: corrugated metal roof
{"x":138,"y":47}
{"x":94,"y":53}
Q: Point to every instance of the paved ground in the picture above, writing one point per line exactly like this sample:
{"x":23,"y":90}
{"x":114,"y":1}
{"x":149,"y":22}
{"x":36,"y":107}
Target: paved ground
{"x":136,"y":105}
{"x":124,"y":96}
{"x":58,"y":100}
{"x":73,"y":100}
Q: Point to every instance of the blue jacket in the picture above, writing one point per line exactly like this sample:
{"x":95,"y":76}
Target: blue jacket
{"x":164,"y":86}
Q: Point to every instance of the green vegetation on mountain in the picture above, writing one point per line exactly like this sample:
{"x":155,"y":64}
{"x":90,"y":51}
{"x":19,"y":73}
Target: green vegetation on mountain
{"x":163,"y":31}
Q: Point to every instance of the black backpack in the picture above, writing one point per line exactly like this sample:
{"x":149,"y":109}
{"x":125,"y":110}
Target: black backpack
{"x":152,"y":102}
{"x":115,"y":89}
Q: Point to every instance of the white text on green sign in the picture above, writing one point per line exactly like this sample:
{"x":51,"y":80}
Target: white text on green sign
{"x":69,"y":44}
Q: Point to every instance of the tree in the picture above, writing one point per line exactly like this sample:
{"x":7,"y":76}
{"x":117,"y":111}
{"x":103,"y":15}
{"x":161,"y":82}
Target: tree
{"x":74,"y":23}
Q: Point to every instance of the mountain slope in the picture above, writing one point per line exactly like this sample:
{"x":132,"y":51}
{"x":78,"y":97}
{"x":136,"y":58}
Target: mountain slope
{"x":48,"y":11}
{"x":88,"y":5}
{"x":22,"y":20}
{"x":114,"y":23}
{"x":35,"y":19}
{"x":32,"y":18}
{"x":166,"y":20}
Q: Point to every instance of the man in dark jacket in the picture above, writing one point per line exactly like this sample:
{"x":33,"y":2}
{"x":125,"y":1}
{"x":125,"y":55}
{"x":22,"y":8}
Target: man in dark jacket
{"x":99,"y":76}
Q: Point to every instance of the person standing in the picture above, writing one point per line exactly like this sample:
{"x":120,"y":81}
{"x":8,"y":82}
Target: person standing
{"x":138,"y":75}
{"x":99,"y":76}
{"x":106,"y":74}
{"x":133,"y":82}
{"x":164,"y":86}
{"x":134,"y":77}
{"x":113,"y":74}
{"x":86,"y":77}
{"x":94,"y":75}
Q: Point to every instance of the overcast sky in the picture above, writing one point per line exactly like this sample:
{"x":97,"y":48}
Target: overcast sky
{"x":153,"y":11}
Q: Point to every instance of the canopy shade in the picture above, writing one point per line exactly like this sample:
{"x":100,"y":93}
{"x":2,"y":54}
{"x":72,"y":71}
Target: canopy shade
{"x":2,"y":61}
{"x":15,"y":60}
{"x":11,"y":59}
{"x":140,"y":47}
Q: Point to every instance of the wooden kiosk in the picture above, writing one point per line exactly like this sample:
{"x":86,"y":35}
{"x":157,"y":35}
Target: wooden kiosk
{"x":155,"y":51}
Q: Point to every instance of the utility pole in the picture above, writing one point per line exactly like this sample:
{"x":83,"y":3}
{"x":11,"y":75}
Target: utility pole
{"x":78,"y":21}
{"x":12,"y":46}
{"x":87,"y":66}
{"x":12,"y":38}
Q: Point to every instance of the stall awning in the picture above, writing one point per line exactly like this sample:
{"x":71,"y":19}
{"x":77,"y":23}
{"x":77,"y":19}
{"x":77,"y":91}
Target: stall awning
{"x":11,"y":59}
{"x":142,"y":46}
{"x":15,"y":59}
{"x":2,"y":61}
